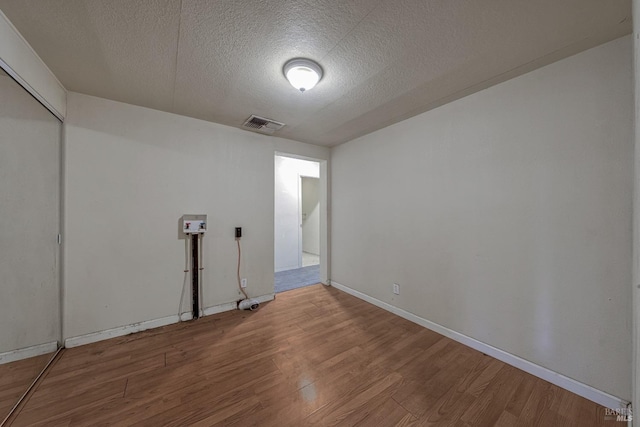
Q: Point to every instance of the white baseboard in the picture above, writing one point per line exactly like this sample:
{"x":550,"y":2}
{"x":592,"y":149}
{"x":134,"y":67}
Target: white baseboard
{"x":122,"y":330}
{"x":265,"y":298}
{"x":27,"y":352}
{"x":151,"y":324}
{"x":219,"y":308}
{"x":546,"y":374}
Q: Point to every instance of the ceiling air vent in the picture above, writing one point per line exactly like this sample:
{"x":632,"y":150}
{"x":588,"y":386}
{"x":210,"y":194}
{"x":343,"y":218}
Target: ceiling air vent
{"x":262,"y":125}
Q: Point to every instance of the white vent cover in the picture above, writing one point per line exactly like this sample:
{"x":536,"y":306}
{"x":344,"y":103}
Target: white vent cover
{"x":262,"y":125}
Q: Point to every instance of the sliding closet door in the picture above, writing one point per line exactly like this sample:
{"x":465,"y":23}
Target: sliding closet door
{"x":29,"y":227}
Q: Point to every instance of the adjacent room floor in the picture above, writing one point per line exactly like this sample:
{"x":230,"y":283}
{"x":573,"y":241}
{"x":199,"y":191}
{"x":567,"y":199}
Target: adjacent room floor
{"x":313,"y":356}
{"x":296,"y":278}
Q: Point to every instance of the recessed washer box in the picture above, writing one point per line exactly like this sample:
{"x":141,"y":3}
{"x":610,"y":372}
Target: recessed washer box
{"x":194,"y":224}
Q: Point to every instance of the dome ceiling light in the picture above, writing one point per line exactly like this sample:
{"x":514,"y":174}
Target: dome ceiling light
{"x":303,"y":74}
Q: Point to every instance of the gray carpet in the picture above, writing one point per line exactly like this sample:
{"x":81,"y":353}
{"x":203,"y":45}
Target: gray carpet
{"x":297,"y":278}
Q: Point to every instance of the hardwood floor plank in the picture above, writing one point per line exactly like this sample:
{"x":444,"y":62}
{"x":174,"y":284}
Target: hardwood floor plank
{"x":313,"y":356}
{"x":65,"y":407}
{"x":488,"y":407}
{"x":383,"y":411}
{"x":451,"y":406}
{"x":520,"y":396}
{"x":507,"y":419}
{"x":335,"y":413}
{"x":16,"y":377}
{"x":538,"y":403}
{"x":293,"y":403}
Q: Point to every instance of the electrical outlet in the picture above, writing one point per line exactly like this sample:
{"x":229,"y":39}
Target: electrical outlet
{"x":243,"y":283}
{"x":396,"y":289}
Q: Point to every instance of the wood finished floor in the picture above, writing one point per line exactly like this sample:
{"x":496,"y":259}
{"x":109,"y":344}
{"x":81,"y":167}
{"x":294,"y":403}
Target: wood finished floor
{"x":314,"y":356}
{"x":15,"y":378}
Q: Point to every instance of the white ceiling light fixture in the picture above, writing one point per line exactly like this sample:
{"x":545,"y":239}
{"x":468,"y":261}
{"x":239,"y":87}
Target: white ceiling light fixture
{"x":303,"y":74}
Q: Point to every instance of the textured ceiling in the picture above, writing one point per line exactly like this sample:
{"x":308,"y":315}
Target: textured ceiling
{"x":384,"y":61}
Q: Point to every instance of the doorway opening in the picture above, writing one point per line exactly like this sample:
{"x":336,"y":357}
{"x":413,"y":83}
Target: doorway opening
{"x":310,"y":224}
{"x":298,"y":218}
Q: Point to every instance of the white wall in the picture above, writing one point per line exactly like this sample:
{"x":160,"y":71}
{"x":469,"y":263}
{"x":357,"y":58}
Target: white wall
{"x":311,"y":215}
{"x":131,"y":173}
{"x":505,"y":216}
{"x":28,"y":69}
{"x":287,"y":209}
{"x":29,"y":220}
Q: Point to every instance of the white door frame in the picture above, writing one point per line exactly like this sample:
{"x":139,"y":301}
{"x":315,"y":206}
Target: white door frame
{"x":300,"y":220}
{"x":300,"y":213}
{"x":323,"y":199}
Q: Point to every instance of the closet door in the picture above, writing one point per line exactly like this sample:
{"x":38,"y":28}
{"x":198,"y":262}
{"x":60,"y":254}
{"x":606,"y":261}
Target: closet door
{"x":29,"y":226}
